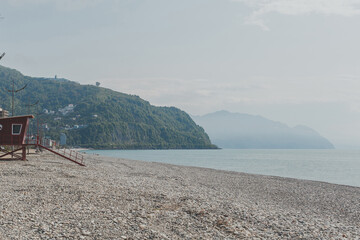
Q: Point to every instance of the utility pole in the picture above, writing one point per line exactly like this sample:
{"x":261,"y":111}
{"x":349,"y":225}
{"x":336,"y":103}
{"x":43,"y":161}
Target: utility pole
{"x":13,"y":91}
{"x":28,"y":112}
{"x":30,"y":105}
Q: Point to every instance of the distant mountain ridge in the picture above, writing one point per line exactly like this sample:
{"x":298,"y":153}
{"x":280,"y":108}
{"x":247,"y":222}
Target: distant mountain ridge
{"x":239,"y":130}
{"x":97,"y":117}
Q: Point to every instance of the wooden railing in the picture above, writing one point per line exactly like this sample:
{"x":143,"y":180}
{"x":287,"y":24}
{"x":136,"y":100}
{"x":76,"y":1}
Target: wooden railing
{"x":72,"y":154}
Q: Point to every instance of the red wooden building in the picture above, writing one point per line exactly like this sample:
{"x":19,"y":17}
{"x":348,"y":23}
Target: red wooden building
{"x":13,"y":130}
{"x":12,"y":133}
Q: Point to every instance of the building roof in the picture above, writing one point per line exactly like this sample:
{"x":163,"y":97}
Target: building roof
{"x":28,"y":116}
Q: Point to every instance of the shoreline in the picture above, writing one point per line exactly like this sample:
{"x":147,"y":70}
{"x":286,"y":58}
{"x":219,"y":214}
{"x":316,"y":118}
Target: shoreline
{"x":229,"y":171}
{"x":114,"y":198}
{"x":346,"y":181}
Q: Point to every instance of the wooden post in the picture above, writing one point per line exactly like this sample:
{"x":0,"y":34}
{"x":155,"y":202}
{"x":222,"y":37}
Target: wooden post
{"x":23,"y":153}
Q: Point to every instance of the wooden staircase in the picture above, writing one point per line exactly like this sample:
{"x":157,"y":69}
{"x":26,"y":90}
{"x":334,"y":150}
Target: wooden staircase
{"x":68,"y":154}
{"x":71,"y":155}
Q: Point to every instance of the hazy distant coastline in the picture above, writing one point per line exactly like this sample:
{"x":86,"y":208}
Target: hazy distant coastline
{"x":245,"y":131}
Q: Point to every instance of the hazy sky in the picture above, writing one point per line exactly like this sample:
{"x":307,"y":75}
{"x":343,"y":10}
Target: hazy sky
{"x":294,"y":61}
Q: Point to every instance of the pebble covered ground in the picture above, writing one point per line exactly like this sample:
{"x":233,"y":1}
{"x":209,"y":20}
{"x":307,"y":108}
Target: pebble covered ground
{"x":49,"y":198}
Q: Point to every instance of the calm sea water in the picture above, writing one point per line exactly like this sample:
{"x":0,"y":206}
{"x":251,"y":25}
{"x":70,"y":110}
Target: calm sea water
{"x":334,"y":166}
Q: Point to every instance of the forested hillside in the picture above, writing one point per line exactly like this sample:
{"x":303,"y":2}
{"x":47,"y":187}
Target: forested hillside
{"x":92,"y":116}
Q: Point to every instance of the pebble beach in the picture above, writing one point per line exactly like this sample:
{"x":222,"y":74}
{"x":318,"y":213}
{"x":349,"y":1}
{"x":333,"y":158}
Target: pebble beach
{"x":47,"y":197}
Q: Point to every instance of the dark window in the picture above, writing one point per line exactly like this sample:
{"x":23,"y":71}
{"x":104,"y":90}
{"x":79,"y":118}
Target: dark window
{"x":16,"y":129}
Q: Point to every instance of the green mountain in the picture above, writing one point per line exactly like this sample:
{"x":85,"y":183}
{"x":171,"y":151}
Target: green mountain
{"x":97,"y":117}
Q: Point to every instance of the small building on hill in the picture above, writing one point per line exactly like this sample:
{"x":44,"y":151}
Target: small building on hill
{"x":62,"y":139}
{"x":3,"y":113}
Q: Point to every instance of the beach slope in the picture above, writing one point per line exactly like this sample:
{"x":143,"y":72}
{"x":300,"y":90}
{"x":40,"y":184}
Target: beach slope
{"x":49,"y":198}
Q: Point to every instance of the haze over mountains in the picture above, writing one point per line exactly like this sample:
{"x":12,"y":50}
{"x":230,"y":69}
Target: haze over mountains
{"x":97,"y":117}
{"x":238,"y":130}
